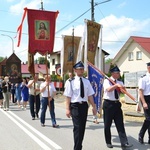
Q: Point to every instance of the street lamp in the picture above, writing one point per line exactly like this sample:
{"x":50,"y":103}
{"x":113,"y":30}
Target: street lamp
{"x":11,"y":40}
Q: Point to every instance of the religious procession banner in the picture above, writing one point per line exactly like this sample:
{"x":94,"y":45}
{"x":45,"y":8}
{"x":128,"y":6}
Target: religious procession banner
{"x":70,"y":50}
{"x":13,"y":69}
{"x":41,"y":28}
{"x":96,"y":80}
{"x":93,"y":31}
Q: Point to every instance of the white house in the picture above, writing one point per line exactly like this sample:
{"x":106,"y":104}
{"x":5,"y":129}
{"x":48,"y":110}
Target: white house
{"x":134,"y":55}
{"x":54,"y":61}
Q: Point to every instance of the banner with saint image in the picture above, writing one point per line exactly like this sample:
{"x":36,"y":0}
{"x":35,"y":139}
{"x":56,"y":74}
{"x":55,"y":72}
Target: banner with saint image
{"x":93,"y":31}
{"x":41,"y":26}
{"x":70,"y":50}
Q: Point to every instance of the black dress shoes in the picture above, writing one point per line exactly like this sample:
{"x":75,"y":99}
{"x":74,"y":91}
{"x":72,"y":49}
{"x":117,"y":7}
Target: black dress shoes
{"x":109,"y":145}
{"x":141,"y":140}
{"x":126,"y":145}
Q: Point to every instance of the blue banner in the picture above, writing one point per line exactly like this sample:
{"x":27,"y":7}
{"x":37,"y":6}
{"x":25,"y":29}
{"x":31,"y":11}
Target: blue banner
{"x":96,"y":80}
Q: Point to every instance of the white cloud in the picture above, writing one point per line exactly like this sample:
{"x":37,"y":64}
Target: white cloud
{"x":115,"y":32}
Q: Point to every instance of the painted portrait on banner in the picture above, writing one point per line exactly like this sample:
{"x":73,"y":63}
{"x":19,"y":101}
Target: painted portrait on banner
{"x":70,"y":52}
{"x":42,"y":31}
{"x":93,"y":30}
{"x":14,"y":72}
{"x":13,"y":69}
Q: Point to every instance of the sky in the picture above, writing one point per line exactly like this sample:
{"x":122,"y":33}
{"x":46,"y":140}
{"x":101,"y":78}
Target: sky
{"x":120,"y":19}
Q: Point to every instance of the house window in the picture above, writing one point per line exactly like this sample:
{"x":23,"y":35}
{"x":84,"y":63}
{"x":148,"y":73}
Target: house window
{"x":130,"y":56}
{"x":139,"y":55}
{"x":53,"y":61}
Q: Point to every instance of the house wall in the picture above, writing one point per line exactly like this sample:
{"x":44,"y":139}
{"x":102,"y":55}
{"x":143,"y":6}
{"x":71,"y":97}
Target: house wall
{"x":135,"y":65}
{"x":57,"y":61}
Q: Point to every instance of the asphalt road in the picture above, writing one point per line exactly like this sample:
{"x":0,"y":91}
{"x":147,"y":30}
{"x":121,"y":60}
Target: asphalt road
{"x":19,"y":132}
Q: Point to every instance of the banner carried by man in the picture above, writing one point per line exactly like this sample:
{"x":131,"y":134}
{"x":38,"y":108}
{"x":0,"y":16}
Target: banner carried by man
{"x":93,"y":30}
{"x":96,"y":79}
{"x":69,"y":52}
{"x":41,"y":28}
{"x":89,"y":44}
{"x":41,"y":25}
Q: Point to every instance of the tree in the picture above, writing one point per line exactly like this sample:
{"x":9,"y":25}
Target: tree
{"x":42,"y":60}
{"x":108,"y":61}
{"x":1,"y":58}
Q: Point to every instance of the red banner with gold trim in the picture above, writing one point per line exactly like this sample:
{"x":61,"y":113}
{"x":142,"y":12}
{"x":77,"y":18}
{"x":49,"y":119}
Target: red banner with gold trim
{"x":41,"y":27}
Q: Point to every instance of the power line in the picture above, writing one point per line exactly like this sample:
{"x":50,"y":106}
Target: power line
{"x":73,"y":21}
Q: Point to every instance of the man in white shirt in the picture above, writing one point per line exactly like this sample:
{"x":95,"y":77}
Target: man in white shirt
{"x":78,"y":91}
{"x":48,"y":92}
{"x":112,"y":108}
{"x":34,"y":96}
{"x":144,"y":93}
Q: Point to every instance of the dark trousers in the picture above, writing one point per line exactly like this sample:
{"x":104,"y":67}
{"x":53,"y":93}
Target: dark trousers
{"x":146,"y":123}
{"x":13,"y":98}
{"x":112,"y":111}
{"x":79,"y":117}
{"x":34,"y":102}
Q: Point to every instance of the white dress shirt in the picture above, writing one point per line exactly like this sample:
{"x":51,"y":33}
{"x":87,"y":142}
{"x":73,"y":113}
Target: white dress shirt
{"x":144,"y":84}
{"x":51,"y":89}
{"x":73,"y":89}
{"x":107,"y":84}
{"x":31,"y":89}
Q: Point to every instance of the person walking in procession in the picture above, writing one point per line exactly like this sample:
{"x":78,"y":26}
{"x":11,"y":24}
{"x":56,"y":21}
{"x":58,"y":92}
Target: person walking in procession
{"x":34,"y":96}
{"x":18,"y":93}
{"x":112,"y":109}
{"x":77,"y":93}
{"x":48,"y":92}
{"x":144,"y":93}
{"x":24,"y":93}
{"x":6,"y":86}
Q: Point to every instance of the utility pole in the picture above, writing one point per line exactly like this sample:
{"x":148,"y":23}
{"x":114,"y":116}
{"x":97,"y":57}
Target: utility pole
{"x":72,"y":49}
{"x":92,"y":10}
{"x":42,"y":5}
{"x":92,"y":7}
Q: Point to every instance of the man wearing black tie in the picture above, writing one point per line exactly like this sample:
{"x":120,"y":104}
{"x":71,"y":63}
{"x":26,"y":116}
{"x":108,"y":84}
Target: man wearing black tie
{"x":112,"y":108}
{"x":77,"y":93}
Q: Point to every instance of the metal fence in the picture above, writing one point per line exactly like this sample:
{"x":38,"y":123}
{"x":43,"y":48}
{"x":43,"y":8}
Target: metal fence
{"x":131,"y":83}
